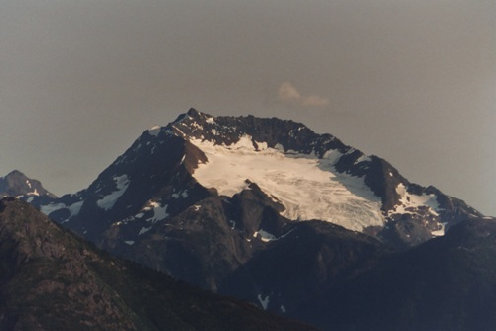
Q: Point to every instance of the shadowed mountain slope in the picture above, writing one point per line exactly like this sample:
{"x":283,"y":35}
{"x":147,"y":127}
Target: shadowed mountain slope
{"x":51,"y":280}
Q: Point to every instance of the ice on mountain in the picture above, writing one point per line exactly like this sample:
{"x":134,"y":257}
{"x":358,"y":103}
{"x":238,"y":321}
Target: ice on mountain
{"x":159,"y":211}
{"x":308,"y":187}
{"x":441,"y":231}
{"x":75,"y":207}
{"x":363,"y":158}
{"x":262,"y":145}
{"x":332,"y":156}
{"x":264,"y":235}
{"x":150,"y":205}
{"x":108,"y":201}
{"x":409,"y":202}
{"x":154,"y":131}
{"x":183,"y":194}
{"x":51,"y":207}
{"x":144,"y":230}
{"x":34,"y":193}
{"x":264,"y":301}
{"x":129,"y":242}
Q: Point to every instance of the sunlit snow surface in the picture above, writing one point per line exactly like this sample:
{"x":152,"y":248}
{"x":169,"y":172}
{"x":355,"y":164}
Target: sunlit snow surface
{"x":409,"y":202}
{"x":308,"y":187}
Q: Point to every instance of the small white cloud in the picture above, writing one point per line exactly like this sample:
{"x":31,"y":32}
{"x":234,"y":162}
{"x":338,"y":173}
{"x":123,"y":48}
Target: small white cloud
{"x":289,"y":94}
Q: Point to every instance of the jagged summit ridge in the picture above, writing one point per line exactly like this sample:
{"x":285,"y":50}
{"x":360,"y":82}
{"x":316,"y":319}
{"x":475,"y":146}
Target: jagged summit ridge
{"x":366,"y":177}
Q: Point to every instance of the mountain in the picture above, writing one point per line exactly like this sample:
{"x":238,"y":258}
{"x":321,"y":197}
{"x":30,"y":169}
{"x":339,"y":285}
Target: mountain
{"x":448,"y":283}
{"x":52,"y":280}
{"x":18,"y":184}
{"x":263,"y":209}
{"x":309,"y":175}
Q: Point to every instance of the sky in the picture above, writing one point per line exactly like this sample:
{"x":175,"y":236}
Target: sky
{"x":412,"y":81}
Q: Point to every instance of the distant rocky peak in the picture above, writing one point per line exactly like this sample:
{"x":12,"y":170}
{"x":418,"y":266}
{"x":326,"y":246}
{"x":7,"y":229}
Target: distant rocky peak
{"x":18,"y":184}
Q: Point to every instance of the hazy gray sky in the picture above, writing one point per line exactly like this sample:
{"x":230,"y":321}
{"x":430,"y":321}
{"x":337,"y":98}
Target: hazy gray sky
{"x":411,"y":81}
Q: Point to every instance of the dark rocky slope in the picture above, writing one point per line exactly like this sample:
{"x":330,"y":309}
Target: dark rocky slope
{"x":448,"y":283}
{"x":50,"y":280}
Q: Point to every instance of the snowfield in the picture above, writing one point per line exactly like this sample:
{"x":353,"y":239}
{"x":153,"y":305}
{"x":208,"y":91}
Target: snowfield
{"x":107,"y":202}
{"x":408,"y":202}
{"x":308,"y":187}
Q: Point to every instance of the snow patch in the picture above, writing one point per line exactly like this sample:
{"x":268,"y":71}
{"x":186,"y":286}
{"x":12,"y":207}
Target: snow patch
{"x":409,"y":202}
{"x":183,"y":194}
{"x":154,"y":131}
{"x":307,"y":186}
{"x":332,"y":156}
{"x":144,"y":230}
{"x":34,"y":193}
{"x":440,"y":232}
{"x":51,"y":207}
{"x":75,"y":207}
{"x":159,"y":211}
{"x":264,"y":301}
{"x":363,"y":158}
{"x":264,"y":235}
{"x":107,"y":202}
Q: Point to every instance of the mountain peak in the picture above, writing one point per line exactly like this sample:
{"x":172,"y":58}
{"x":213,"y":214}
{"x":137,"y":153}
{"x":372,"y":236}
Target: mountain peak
{"x":193,"y":112}
{"x":314,"y":176}
{"x":16,"y":183}
{"x":15,"y":173}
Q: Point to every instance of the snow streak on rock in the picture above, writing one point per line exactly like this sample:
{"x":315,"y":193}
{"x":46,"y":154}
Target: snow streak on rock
{"x":107,"y":202}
